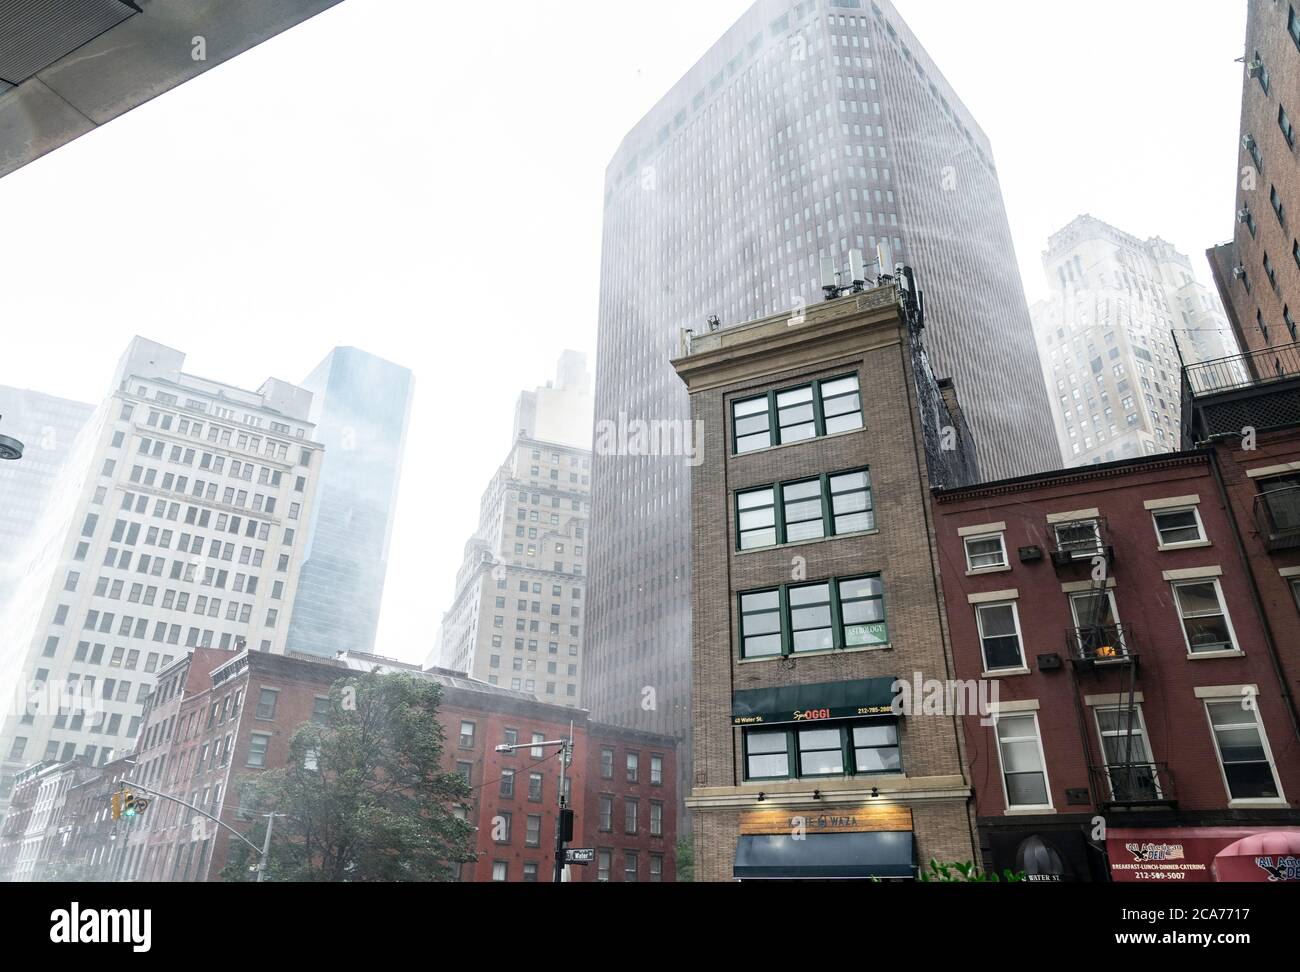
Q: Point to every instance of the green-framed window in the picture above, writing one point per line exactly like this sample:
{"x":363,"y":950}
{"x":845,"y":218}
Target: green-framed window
{"x":842,"y":747}
{"x":780,"y":417}
{"x":799,"y":618}
{"x":804,"y":509}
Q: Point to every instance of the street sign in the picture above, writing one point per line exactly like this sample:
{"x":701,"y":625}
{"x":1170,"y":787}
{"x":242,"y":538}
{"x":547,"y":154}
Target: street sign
{"x":579,"y":855}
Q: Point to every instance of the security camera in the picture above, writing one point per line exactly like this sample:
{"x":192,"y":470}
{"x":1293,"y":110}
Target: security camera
{"x":10,"y":448}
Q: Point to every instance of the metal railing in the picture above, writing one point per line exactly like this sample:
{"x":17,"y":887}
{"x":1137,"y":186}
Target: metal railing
{"x":1102,"y":642}
{"x":1277,"y":515}
{"x":1134,"y":784}
{"x":1239,"y":371}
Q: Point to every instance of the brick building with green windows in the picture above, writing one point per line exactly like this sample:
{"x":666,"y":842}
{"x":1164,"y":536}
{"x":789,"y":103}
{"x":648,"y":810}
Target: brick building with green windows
{"x":816,"y":588}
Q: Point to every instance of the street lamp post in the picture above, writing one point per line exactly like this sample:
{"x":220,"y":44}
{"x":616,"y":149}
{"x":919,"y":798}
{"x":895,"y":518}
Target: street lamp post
{"x":565,"y":814}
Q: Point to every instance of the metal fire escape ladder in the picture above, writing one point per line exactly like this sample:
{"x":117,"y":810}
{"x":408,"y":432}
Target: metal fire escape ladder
{"x":1102,"y":644}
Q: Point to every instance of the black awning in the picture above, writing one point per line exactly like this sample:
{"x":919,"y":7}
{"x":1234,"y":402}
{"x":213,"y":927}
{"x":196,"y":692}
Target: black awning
{"x":877,"y":854}
{"x":828,"y":700}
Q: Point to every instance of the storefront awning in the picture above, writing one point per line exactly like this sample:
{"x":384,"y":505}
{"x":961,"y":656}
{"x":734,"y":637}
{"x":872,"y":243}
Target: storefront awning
{"x":828,"y":700}
{"x":1270,"y":855}
{"x":877,"y":854}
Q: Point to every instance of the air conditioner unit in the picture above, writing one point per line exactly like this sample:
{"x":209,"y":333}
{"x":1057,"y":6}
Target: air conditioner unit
{"x":1255,"y":68}
{"x":1243,"y":215}
{"x":1239,"y":272}
{"x":1248,"y":142}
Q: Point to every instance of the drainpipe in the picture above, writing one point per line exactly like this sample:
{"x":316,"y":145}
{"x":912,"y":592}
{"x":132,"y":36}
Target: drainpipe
{"x":1270,"y":643}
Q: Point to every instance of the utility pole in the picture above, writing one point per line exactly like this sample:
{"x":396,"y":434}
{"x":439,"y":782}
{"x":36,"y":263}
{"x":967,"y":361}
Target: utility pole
{"x":266,"y":847}
{"x":564,"y":819}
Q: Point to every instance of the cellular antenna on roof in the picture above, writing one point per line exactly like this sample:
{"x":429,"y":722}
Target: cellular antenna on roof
{"x":856,"y":274}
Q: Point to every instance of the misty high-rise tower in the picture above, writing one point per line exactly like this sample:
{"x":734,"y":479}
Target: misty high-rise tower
{"x":809,"y":129}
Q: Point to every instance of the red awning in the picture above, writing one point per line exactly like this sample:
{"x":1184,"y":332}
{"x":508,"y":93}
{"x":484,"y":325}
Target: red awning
{"x":1270,"y":855}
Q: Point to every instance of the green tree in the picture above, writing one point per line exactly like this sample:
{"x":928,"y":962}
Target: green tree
{"x":958,"y":872}
{"x":364,"y":796}
{"x":685,"y":859}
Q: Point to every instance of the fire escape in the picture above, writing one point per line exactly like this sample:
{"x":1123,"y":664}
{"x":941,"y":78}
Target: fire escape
{"x":1104,"y":655}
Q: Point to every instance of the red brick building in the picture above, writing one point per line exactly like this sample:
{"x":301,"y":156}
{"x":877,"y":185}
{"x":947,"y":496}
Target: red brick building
{"x":1140,"y":622}
{"x":218,"y":718}
{"x":631,"y":805}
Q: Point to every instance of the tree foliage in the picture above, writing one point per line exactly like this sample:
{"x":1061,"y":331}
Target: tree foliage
{"x":685,"y":859}
{"x":958,"y":872}
{"x":364,"y":796}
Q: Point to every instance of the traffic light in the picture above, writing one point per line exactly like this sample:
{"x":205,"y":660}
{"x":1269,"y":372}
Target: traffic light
{"x":128,"y":803}
{"x":566,"y":825}
{"x":117,"y":806}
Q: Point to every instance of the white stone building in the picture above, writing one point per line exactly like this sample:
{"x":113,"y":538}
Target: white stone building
{"x":175,"y":524}
{"x":1106,"y":340}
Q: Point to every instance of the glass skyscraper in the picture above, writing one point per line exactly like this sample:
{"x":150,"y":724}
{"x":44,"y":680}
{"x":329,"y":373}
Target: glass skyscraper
{"x":808,"y":130}
{"x":360,"y":404}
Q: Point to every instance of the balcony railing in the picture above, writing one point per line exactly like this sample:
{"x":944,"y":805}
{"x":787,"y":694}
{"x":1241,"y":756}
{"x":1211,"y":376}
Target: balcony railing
{"x":1277,"y":516}
{"x":1136,"y":784}
{"x":1080,"y":541}
{"x":1239,"y":371}
{"x":1102,"y":643}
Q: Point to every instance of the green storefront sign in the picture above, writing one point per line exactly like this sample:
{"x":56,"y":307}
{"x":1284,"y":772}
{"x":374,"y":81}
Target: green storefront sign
{"x":810,"y":703}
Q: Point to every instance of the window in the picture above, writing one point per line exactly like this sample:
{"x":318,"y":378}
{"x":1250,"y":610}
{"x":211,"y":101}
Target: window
{"x":656,"y":867}
{"x":320,"y":709}
{"x":829,"y":615}
{"x":1284,"y":123}
{"x":533,"y":830}
{"x":500,"y":869}
{"x":845,"y":748}
{"x":1243,"y":751}
{"x":1024,"y":773}
{"x":633,"y":766}
{"x":257,"y":745}
{"x":657,"y":764}
{"x":656,"y":818}
{"x":507,"y":790}
{"x":999,"y":627}
{"x":796,"y":414}
{"x":629,"y":815}
{"x":1081,"y":539}
{"x":603,"y":865}
{"x":1175,"y":527}
{"x":1205,"y":619}
{"x":466,"y":734}
{"x":266,"y":703}
{"x":794,"y":511}
{"x":986,"y":551}
{"x":606,"y":813}
{"x":1293,"y":25}
{"x":629,"y":865}
{"x":756,"y":518}
{"x":1132,"y":775}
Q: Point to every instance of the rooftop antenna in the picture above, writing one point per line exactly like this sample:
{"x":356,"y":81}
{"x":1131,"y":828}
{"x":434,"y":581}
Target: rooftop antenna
{"x":856,"y":271}
{"x":884,"y":259}
{"x":830,"y":278}
{"x":714,"y":322}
